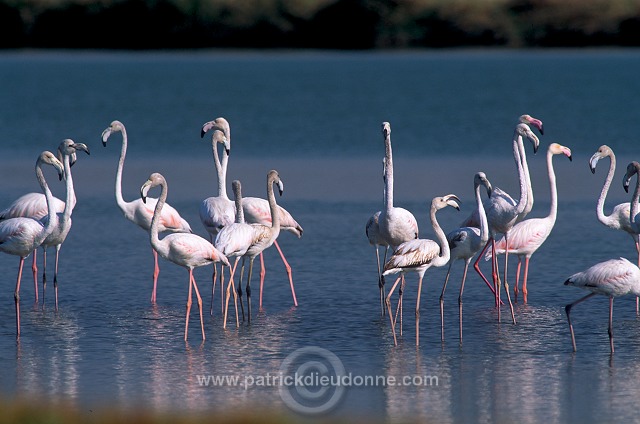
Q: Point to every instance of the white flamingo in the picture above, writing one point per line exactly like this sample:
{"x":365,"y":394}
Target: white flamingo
{"x":526,"y":237}
{"x":257,"y":211}
{"x":262,"y":237}
{"x":185,"y":249}
{"x":612,"y":278}
{"x":619,"y":217}
{"x":233,"y":241}
{"x":137,"y":211}
{"x":634,"y":219}
{"x":21,"y":235}
{"x":419,"y":255}
{"x":464,"y":243}
{"x":503,"y":211}
{"x":34,"y":205}
{"x":216,"y":212}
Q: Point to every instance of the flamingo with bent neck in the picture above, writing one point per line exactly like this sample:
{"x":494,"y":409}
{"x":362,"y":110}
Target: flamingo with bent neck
{"x":185,"y":249}
{"x":619,"y":217}
{"x":139,"y":212}
{"x":21,"y":236}
{"x":527,"y":236}
{"x":419,"y":255}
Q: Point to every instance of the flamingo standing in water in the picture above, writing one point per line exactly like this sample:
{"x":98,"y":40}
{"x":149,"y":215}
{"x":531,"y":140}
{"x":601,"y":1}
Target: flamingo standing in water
{"x":619,"y":217}
{"x":216,"y":212}
{"x":22,"y":235}
{"x":34,"y":205}
{"x":233,"y":241}
{"x":139,"y":212}
{"x":419,"y":255}
{"x":185,"y":249}
{"x":612,"y":278}
{"x":527,"y":236}
{"x":464,"y":243}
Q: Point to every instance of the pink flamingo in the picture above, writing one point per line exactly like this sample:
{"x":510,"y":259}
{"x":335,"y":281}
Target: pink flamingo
{"x":527,"y":236}
{"x":139,"y":212}
{"x":216,"y":212}
{"x":464,"y":243}
{"x":185,"y":249}
{"x":22,"y":235}
{"x":619,"y":217}
{"x":419,"y":255}
{"x":612,"y":278}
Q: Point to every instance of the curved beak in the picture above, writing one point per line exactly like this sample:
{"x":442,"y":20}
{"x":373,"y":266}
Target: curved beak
{"x":83,"y":147}
{"x":144,"y":190}
{"x":593,"y":161}
{"x":280,"y":187}
{"x":105,"y":135}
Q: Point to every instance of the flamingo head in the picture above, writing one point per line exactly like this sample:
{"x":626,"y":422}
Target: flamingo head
{"x":386,"y":129}
{"x":481,"y":179}
{"x":50,"y":159}
{"x":528,"y":119}
{"x":154,"y":180}
{"x":444,"y":201}
{"x":220,"y":124}
{"x":274,"y":178}
{"x":218,"y":136}
{"x":68,"y":148}
{"x":115,"y":126}
{"x":556,"y":149}
{"x":632,"y":169}
{"x":523,"y":130}
{"x":602,"y":152}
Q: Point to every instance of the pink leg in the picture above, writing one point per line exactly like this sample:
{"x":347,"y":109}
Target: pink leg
{"x":263,"y":272}
{"x":34,"y":269}
{"x":16,"y":296}
{"x":230,"y":286}
{"x":195,"y":286}
{"x":156,"y":272}
{"x":506,"y":284}
{"x":55,"y":277}
{"x":476,"y":266}
{"x":524,"y":282}
{"x":44,"y":275}
{"x":213,"y":287}
{"x":444,"y":287}
{"x":418,"y":312}
{"x":186,"y":324}
{"x":515,"y":288}
{"x":288,"y":268}
{"x":388,"y":302}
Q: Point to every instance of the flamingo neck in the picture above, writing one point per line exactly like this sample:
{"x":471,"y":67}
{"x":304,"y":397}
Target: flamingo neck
{"x":221,"y":169}
{"x":273,"y":208}
{"x":445,"y":253}
{"x":605,"y":189}
{"x":484,"y":226}
{"x":553,"y":210}
{"x":635,"y":222}
{"x":527,"y":176}
{"x":155,"y":221}
{"x":522,"y":202}
{"x":239,"y":210}
{"x":388,"y":175}
{"x":70,"y":199}
{"x":123,"y":153}
{"x":51,"y":213}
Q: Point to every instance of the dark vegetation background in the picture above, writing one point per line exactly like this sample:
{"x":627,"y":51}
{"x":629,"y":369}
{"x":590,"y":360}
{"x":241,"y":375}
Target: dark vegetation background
{"x":325,"y":24}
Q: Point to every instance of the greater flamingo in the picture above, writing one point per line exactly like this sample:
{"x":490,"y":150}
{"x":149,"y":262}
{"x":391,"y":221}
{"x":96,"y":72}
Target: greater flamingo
{"x":612,"y":278}
{"x":464,"y":243}
{"x":233,"y":241}
{"x":527,"y":236}
{"x":419,"y":255}
{"x":139,"y":212}
{"x":257,"y":211}
{"x":503,"y":211}
{"x":619,"y":217}
{"x":262,"y":236}
{"x":34,"y":205}
{"x":216,"y":212}
{"x":185,"y":249}
{"x":634,"y":219}
{"x":22,"y":235}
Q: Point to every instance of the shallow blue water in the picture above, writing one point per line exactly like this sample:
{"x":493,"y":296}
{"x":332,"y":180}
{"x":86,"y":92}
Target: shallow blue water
{"x":316,"y":118}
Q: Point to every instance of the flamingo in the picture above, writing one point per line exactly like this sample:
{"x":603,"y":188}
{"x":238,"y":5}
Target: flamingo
{"x":619,"y":217}
{"x":503,"y":211}
{"x":185,"y":249}
{"x":612,"y":278}
{"x":634,"y":219}
{"x":233,"y":241}
{"x":22,"y":235}
{"x":262,"y":236}
{"x":34,"y":205}
{"x":419,"y":255}
{"x":527,"y":236}
{"x":216,"y":212}
{"x":257,"y":211}
{"x":139,"y":212}
{"x":464,"y":243}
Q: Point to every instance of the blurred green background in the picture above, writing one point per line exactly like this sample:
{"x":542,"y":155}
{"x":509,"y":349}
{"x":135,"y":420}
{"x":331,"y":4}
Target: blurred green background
{"x":324,"y":24}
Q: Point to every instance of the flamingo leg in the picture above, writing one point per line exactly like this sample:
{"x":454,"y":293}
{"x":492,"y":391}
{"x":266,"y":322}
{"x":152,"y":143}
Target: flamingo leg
{"x":515,"y":288}
{"x":195,"y":286}
{"x":418,"y":312}
{"x":213,"y":287}
{"x":506,"y":284}
{"x":380,"y":282}
{"x":567,"y":310}
{"x":55,"y":277}
{"x":464,"y":278}
{"x":524,"y":281}
{"x":34,"y":269}
{"x":611,"y":323}
{"x":231,"y":285}
{"x":186,"y":324}
{"x":44,"y":274}
{"x":240,"y":288}
{"x":476,"y":266}
{"x":288,"y":268}
{"x":248,"y":290}
{"x":16,"y":297}
{"x":263,"y":272}
{"x":388,"y":302}
{"x":156,"y":272}
{"x":638,"y":297}
{"x":444,"y":287}
{"x":399,"y":307}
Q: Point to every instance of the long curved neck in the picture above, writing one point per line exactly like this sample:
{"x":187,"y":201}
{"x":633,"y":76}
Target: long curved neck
{"x":388,"y":175}
{"x":484,"y":226}
{"x":273,"y":208}
{"x":605,"y":189}
{"x":522,"y":202}
{"x":553,"y":210}
{"x":221,"y":169}
{"x":635,"y":222}
{"x":155,"y":221}
{"x":239,"y":210}
{"x":123,"y":153}
{"x":445,"y":253}
{"x":527,"y":176}
{"x":70,"y":199}
{"x":51,"y":212}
